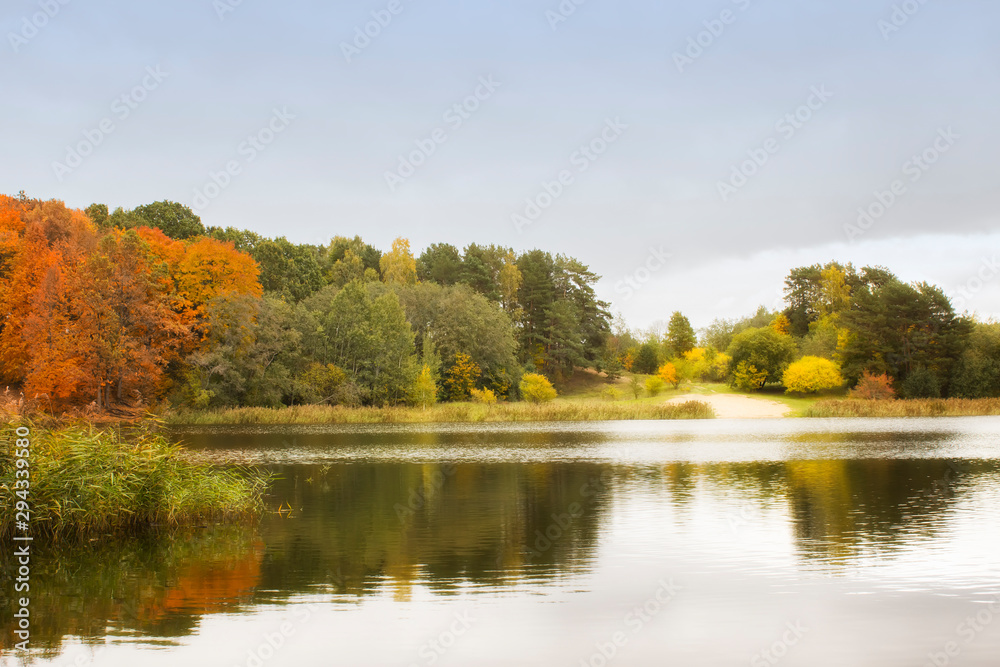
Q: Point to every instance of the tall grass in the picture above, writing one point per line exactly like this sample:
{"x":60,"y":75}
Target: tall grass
{"x":564,"y":410}
{"x":932,"y":407}
{"x":86,"y":480}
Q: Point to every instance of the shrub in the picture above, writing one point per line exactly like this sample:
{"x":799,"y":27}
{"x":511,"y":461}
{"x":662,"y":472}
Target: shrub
{"x":536,"y":388}
{"x":921,"y":383}
{"x":655,"y":385}
{"x":611,"y":393}
{"x":809,"y":375}
{"x":765,"y":349}
{"x":746,"y":377}
{"x":485,"y":396}
{"x":873,"y":388}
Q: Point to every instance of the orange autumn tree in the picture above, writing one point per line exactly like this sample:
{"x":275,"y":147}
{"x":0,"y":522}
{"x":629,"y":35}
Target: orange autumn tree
{"x":210,"y":268}
{"x":124,"y":306}
{"x":47,"y":235}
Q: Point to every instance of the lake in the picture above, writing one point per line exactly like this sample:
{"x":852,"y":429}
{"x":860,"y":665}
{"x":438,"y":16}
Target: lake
{"x":718,"y":542}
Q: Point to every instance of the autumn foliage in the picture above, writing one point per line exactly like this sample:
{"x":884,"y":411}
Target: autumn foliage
{"x":100,"y":316}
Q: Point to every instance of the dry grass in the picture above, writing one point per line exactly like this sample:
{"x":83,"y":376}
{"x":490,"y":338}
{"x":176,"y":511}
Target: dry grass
{"x":560,"y":410}
{"x":935,"y":407}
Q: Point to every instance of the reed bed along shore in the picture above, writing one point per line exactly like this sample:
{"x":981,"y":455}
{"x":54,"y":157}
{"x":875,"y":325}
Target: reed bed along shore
{"x":931,"y":407}
{"x":569,"y":410}
{"x":85,"y":480}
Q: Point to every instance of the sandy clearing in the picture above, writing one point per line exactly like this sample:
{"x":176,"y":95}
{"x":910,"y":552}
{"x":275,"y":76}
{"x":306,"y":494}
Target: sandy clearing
{"x":734,"y":406}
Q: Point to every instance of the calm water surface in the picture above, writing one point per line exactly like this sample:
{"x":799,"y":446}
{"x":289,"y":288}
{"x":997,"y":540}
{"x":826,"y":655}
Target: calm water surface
{"x":792,"y":542}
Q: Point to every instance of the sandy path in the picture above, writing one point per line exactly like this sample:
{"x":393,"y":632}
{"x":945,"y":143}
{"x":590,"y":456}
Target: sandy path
{"x":733,"y":406}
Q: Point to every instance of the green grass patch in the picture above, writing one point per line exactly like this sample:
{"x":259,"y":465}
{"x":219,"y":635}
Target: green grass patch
{"x":85,"y":480}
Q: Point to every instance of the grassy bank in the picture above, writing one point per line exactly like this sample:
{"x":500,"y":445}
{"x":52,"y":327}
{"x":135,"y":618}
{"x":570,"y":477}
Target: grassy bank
{"x":86,"y":480}
{"x":937,"y":407}
{"x":558,"y":410}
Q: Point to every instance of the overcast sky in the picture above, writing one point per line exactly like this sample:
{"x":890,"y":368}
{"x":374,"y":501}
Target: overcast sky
{"x":833,"y":100}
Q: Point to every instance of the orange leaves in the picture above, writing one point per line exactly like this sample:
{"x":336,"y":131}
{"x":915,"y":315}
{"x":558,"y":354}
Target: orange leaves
{"x":210,"y":268}
{"x":98,"y":316}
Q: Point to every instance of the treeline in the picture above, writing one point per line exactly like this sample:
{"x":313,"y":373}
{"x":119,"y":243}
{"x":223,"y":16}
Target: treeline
{"x":863,"y":329}
{"x":136,"y":307}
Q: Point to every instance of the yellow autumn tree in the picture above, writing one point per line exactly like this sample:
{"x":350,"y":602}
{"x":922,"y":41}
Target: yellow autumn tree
{"x":398,"y":265}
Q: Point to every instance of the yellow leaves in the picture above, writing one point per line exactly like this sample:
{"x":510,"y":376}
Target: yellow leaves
{"x":537,"y":388}
{"x":398,"y":265}
{"x":809,"y":375}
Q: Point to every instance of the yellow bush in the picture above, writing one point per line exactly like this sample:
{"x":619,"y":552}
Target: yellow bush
{"x":537,"y":388}
{"x":809,"y":375}
{"x":485,"y":396}
{"x":654,"y":385}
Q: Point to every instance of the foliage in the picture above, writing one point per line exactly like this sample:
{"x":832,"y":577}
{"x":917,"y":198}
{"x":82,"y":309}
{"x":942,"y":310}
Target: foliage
{"x":484,"y":396}
{"x":647,"y":360}
{"x":635,"y":386}
{"x":895,"y":328}
{"x":746,"y":377}
{"x":424,"y":388}
{"x":363,"y":330}
{"x":921,"y":383}
{"x":873,"y":388}
{"x":536,"y":388}
{"x":977,"y":371}
{"x":248,"y":356}
{"x":767,"y":351}
{"x":681,"y":338}
{"x":562,"y":322}
{"x":809,"y":375}
{"x":611,"y":393}
{"x":461,"y":377}
{"x":655,"y":385}
{"x":398,"y":266}
{"x":323,"y":383}
{"x":669,"y":375}
{"x":720,"y":333}
{"x":459,"y":320}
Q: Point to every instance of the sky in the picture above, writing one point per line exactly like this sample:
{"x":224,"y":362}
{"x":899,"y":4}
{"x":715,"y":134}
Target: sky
{"x":689,"y":153}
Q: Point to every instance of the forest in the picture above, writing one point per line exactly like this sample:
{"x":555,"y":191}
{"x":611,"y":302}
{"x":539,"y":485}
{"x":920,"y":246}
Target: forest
{"x":148,"y":307}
